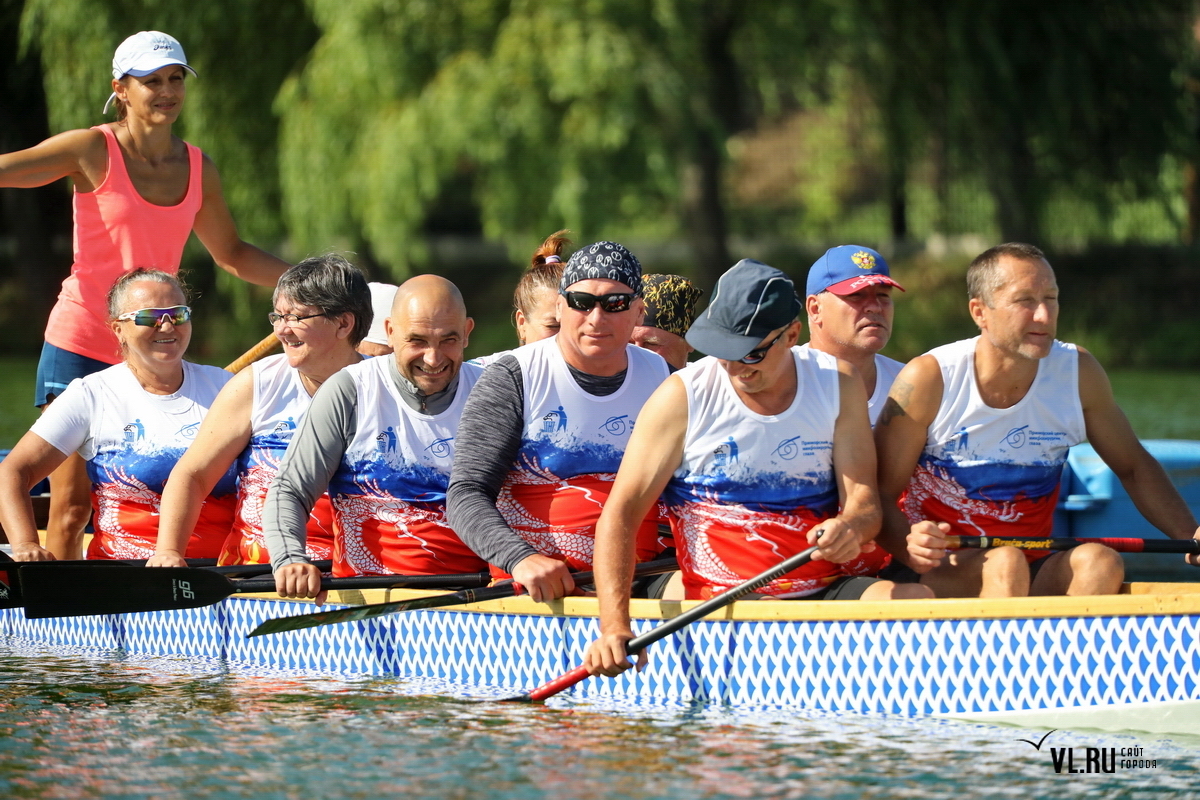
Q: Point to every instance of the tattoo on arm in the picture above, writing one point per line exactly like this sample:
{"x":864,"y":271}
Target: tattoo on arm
{"x":896,"y":403}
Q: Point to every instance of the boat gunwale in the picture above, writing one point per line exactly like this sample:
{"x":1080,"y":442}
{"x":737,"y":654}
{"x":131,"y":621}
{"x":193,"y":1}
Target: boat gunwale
{"x":1136,"y":600}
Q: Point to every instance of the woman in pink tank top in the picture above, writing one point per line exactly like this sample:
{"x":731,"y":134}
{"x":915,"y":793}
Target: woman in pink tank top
{"x":139,"y":191}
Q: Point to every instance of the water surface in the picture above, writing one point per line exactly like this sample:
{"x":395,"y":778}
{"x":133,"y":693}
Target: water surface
{"x":79,"y":724}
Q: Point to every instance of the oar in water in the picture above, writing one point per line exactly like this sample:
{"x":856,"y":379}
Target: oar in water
{"x":640,"y":643}
{"x":1065,"y":543}
{"x":301,"y":621}
{"x":55,"y":590}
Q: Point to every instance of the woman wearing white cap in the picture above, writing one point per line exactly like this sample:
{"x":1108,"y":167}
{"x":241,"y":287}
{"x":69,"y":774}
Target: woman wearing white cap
{"x":139,"y":191}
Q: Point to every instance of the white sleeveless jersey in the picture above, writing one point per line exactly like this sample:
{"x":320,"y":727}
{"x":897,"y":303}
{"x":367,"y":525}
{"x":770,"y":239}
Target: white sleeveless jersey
{"x":750,"y":486}
{"x":389,"y":491}
{"x":780,"y":463}
{"x":280,"y":402}
{"x":886,"y":370}
{"x":569,"y":432}
{"x":571,"y":446}
{"x":131,"y":440}
{"x":996,"y":471}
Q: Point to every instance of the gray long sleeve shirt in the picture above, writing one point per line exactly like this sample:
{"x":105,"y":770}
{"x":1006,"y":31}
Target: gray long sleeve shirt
{"x":315,"y":453}
{"x":489,"y":436}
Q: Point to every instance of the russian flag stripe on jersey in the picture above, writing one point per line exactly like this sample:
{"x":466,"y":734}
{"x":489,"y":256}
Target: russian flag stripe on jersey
{"x":995,"y":471}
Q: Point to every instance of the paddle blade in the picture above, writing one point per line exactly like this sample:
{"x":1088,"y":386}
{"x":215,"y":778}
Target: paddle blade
{"x":58,"y":590}
{"x":10,"y":585}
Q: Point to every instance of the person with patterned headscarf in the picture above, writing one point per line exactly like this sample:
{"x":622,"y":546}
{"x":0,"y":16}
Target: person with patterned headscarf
{"x":545,"y":428}
{"x":670,"y":308}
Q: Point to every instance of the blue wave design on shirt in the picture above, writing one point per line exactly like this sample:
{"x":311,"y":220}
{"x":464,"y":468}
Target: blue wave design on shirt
{"x":541,"y":456}
{"x":776,"y":492}
{"x":999,"y":482}
{"x":151,"y":467}
{"x":265,"y":449}
{"x":410,"y":483}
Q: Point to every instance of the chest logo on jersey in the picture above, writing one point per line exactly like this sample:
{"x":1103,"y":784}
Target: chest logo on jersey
{"x":441,"y":448}
{"x":1019,"y":437}
{"x":288,"y":424}
{"x":134,"y":431}
{"x":385,"y":441}
{"x":726,"y":454}
{"x":189,"y":431}
{"x":617,"y":426}
{"x":788,"y":449}
{"x":554,"y":421}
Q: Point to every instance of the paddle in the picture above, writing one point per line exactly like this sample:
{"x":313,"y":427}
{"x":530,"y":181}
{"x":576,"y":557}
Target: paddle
{"x":50,"y":590}
{"x":10,"y":584}
{"x":507,"y":589}
{"x":1063,"y":543}
{"x":639,"y":643}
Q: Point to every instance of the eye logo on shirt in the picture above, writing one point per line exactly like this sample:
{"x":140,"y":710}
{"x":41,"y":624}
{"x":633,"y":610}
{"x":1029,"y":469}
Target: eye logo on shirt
{"x":787,"y":449}
{"x":726,"y":454}
{"x":617,"y":425}
{"x":134,"y":431}
{"x":554,"y":421}
{"x":385,"y":441}
{"x":441,"y":448}
{"x":189,"y":431}
{"x":288,"y":424}
{"x":1016,"y":437}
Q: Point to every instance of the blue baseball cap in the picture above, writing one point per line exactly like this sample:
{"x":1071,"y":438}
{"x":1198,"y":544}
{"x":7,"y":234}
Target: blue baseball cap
{"x":751,"y":300}
{"x":848,"y":268}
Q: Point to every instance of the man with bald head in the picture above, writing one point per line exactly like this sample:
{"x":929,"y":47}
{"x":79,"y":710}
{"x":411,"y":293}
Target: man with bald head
{"x":380,"y":435}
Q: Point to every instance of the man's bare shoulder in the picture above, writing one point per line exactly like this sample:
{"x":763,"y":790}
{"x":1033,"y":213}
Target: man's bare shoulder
{"x":916,"y":392}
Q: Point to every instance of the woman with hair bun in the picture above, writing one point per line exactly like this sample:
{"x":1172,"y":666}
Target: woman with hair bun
{"x":130,"y":423}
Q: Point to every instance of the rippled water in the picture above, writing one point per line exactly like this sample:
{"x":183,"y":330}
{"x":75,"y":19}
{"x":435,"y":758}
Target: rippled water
{"x":103,"y":724}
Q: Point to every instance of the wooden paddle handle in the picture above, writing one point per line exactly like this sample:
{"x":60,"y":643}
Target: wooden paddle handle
{"x":269,"y":343}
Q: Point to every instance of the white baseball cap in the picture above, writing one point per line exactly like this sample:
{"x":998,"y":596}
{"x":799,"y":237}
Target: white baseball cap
{"x":382,"y":295}
{"x":146,"y":52}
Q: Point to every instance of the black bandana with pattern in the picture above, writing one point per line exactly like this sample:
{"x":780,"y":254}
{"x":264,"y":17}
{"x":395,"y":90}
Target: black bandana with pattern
{"x":603,"y":261}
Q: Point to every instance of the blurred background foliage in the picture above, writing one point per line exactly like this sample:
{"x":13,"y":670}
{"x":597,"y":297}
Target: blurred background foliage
{"x":453,"y":135}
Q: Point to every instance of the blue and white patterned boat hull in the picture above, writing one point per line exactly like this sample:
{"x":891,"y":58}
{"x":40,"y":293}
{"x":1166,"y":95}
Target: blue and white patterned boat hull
{"x":999,"y":668}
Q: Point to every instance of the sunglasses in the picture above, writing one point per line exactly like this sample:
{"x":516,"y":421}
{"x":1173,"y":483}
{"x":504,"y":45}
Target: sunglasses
{"x":153,"y":317}
{"x":612,"y":303}
{"x":759,"y":353}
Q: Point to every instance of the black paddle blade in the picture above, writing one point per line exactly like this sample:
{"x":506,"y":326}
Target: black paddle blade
{"x":57,"y":590}
{"x":353,"y":613}
{"x":10,"y":585}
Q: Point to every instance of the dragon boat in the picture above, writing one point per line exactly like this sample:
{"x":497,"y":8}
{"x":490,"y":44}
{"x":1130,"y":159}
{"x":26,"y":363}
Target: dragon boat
{"x":1119,"y":662}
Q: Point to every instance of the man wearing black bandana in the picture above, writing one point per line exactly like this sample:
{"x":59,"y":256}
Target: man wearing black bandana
{"x":544,"y":430}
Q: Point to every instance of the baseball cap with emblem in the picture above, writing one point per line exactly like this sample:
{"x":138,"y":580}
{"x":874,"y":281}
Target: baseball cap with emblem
{"x":146,"y":52}
{"x":751,"y":300}
{"x":848,"y":268}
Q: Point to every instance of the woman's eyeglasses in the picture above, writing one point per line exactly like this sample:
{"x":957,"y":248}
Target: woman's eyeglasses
{"x":759,"y":353}
{"x":289,"y":319}
{"x":612,"y":303}
{"x":153,"y":317}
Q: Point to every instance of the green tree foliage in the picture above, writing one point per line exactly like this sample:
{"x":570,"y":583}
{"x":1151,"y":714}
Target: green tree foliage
{"x":597,"y":116}
{"x":1032,"y":96}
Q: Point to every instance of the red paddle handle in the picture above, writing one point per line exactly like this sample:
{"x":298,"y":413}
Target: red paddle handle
{"x":559,"y":684}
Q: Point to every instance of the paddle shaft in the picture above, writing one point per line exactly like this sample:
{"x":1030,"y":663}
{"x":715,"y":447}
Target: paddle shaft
{"x":639,"y":643}
{"x":269,"y":343}
{"x":1130,"y":545}
{"x":249,"y":585}
{"x":338,"y":615}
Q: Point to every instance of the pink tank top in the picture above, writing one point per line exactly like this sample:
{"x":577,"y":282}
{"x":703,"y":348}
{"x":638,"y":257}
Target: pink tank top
{"x":116,"y":231}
